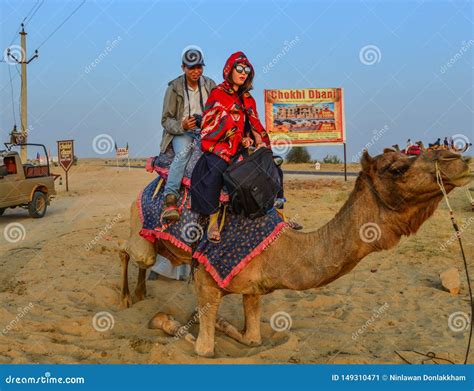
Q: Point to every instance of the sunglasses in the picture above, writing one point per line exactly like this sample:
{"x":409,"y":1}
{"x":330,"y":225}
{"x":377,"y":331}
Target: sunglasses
{"x":241,"y":68}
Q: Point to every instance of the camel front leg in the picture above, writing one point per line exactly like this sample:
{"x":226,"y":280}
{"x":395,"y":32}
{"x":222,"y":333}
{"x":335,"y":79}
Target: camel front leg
{"x":208,"y":296}
{"x":125,"y":299}
{"x":253,"y":312}
{"x":140,"y":289}
{"x":250,"y":336}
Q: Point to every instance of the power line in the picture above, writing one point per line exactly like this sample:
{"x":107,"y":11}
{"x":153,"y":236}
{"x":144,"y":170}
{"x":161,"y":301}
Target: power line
{"x":15,"y":36}
{"x":19,"y":27}
{"x":31,"y":17}
{"x":28,"y":14}
{"x":13,"y":100}
{"x":64,"y":21}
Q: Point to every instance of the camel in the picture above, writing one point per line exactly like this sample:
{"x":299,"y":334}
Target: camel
{"x":393,"y":195}
{"x":433,"y":147}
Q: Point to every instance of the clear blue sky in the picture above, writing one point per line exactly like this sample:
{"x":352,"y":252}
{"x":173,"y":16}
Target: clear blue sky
{"x":404,"y":92}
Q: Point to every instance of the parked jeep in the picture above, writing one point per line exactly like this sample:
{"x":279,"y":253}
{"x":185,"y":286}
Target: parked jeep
{"x":28,"y":185}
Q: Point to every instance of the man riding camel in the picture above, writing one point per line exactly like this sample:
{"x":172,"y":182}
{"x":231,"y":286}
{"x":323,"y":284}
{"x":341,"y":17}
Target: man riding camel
{"x":182,"y":110}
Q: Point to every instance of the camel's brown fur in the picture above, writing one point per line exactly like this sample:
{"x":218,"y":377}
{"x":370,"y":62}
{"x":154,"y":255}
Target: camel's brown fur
{"x":394,"y":193}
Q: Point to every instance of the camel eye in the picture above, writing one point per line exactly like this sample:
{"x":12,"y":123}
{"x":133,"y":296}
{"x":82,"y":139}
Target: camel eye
{"x":398,"y":169}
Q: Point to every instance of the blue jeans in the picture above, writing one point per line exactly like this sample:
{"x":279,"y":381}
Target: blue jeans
{"x":183,"y":148}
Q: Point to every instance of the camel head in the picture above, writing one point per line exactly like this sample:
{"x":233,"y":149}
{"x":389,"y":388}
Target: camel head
{"x":405,"y":188}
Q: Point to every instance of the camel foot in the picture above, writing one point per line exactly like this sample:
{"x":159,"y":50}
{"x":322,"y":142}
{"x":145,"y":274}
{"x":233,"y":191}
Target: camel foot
{"x":244,"y":338}
{"x":125,"y":301}
{"x":202,"y":349}
{"x":251,"y":341}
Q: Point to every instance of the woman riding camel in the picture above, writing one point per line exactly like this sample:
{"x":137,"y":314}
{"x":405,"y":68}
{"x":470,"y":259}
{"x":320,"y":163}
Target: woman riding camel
{"x":230,"y":120}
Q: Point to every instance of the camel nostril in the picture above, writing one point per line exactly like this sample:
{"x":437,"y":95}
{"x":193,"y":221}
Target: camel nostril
{"x":466,"y":159}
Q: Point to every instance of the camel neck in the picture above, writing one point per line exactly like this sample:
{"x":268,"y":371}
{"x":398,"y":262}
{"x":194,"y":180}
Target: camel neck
{"x":337,"y":247}
{"x":362,"y":226}
{"x":354,"y":233}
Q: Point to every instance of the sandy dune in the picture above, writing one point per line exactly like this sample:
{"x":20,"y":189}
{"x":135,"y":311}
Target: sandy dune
{"x":55,"y":280}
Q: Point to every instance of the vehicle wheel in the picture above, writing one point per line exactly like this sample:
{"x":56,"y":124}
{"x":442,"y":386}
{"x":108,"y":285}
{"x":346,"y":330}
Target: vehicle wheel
{"x":37,"y":206}
{"x":2,"y":210}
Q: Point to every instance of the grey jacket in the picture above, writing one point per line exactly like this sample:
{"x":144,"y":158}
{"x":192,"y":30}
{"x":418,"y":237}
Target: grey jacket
{"x":173,"y":108}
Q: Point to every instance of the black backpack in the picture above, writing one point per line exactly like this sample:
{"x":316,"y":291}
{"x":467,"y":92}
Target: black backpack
{"x":253,"y":184}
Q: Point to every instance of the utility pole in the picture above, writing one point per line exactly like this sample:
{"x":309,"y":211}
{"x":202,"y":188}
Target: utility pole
{"x":24,"y":102}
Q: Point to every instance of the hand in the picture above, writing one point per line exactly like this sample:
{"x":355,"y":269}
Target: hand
{"x":247,"y":142}
{"x":188,"y":123}
{"x":257,"y":138}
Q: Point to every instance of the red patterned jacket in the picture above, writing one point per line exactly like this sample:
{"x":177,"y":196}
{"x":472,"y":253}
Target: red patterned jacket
{"x":223,"y":119}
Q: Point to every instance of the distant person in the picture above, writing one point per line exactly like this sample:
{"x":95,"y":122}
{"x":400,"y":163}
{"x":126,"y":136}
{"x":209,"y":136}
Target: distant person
{"x":409,"y":144}
{"x":182,"y":111}
{"x":446,"y":142}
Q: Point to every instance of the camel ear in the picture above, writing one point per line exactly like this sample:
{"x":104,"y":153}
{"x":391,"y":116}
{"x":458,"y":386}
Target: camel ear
{"x":366,"y":160}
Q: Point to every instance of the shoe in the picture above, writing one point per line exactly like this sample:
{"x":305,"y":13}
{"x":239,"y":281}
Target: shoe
{"x":171,"y":211}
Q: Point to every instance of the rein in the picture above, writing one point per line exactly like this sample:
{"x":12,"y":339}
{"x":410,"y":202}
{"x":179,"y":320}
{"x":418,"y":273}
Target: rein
{"x":431,"y":355}
{"x":439,"y":180}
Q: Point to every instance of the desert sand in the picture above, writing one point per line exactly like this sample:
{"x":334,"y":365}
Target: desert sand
{"x":66,"y":270}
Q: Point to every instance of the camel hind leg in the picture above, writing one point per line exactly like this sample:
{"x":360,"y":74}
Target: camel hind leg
{"x":125,"y":298}
{"x":142,"y":252}
{"x":140,"y":289}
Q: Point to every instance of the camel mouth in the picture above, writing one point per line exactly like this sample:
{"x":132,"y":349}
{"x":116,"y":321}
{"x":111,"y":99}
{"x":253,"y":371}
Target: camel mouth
{"x":462,"y":179}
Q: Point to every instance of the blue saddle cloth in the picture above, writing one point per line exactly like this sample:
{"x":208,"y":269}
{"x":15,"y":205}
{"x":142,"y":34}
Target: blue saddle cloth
{"x":242,"y":239}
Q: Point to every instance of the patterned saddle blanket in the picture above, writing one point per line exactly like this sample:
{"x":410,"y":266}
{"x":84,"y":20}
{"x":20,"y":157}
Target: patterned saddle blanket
{"x":242,"y":239}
